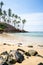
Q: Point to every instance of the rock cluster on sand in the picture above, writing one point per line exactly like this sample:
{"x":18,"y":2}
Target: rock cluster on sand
{"x":15,"y":56}
{"x":11,"y":58}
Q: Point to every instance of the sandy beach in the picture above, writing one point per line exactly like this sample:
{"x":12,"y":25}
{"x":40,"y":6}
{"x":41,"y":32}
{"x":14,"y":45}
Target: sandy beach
{"x":14,"y":42}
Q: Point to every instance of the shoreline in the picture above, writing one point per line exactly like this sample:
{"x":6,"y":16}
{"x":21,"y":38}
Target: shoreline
{"x":9,"y":42}
{"x":25,"y":40}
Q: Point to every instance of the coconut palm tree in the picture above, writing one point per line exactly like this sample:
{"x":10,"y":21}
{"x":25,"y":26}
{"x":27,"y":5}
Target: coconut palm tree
{"x":16,"y":16}
{"x":4,"y":15}
{"x":18,"y":22}
{"x":19,"y":18}
{"x":0,"y":14}
{"x":1,"y":4}
{"x":4,"y":12}
{"x":14,"y":21}
{"x":23,"y":21}
{"x":13,"y":15}
{"x":9,"y":14}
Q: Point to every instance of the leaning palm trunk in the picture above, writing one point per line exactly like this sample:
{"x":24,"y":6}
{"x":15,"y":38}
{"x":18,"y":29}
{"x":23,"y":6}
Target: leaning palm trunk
{"x":23,"y":27}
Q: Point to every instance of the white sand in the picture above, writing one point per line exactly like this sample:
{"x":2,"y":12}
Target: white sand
{"x":14,"y":39}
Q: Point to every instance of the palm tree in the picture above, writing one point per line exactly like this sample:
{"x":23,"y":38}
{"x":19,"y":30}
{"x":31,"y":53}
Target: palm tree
{"x":9,"y":14}
{"x":19,"y":18}
{"x":18,"y":22}
{"x":1,"y":4}
{"x":0,"y":14}
{"x":23,"y":21}
{"x":4,"y":12}
{"x":4,"y":15}
{"x":14,"y":21}
{"x":13,"y":15}
{"x":16,"y":16}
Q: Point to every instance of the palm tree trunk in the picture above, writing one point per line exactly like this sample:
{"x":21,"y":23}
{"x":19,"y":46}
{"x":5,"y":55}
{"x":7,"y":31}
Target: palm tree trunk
{"x":23,"y":27}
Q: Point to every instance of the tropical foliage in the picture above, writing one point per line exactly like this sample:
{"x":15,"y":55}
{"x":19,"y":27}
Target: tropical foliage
{"x":11,"y":18}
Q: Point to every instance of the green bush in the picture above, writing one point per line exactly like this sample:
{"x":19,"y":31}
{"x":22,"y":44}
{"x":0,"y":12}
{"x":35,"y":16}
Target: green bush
{"x":2,"y":26}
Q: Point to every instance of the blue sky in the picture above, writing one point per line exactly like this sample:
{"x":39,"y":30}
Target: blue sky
{"x":31,"y":10}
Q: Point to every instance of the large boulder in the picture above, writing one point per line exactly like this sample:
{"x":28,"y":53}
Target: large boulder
{"x":19,"y":57}
{"x":16,"y":56}
{"x":32,"y":52}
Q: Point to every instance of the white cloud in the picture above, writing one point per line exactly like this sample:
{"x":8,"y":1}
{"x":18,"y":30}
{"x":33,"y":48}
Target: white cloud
{"x":34,"y":21}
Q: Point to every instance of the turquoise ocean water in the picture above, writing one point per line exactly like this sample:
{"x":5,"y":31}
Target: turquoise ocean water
{"x":32,"y":34}
{"x":29,"y":38}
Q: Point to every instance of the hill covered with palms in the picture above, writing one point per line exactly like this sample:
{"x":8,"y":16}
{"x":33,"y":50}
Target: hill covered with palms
{"x":9,"y":21}
{"x":4,"y":27}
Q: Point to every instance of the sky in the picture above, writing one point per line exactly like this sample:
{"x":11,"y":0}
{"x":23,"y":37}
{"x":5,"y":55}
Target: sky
{"x":31,"y":10}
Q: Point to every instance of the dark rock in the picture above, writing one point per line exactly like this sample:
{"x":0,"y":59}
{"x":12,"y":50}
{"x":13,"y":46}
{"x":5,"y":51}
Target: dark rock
{"x":12,"y":61}
{"x":23,"y":52}
{"x":30,"y":46}
{"x":27,"y":54}
{"x":16,"y":56}
{"x":4,"y":44}
{"x":19,"y":57}
{"x":40,"y":45}
{"x":20,"y":50}
{"x":5,"y":63}
{"x":40,"y":63}
{"x":20,"y":43}
{"x":4,"y":53}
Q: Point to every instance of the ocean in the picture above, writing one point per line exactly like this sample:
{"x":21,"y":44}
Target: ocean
{"x":31,"y":34}
{"x":29,"y":38}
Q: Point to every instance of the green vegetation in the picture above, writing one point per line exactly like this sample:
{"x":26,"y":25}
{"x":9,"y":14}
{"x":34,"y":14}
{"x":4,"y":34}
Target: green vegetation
{"x":2,"y":26}
{"x":1,"y":29}
{"x":9,"y":17}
